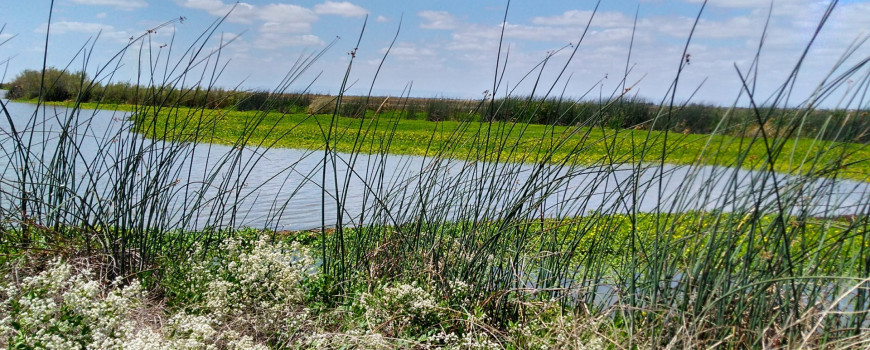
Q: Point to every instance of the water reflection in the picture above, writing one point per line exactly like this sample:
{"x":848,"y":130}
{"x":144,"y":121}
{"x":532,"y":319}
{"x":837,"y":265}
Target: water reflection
{"x":288,"y":189}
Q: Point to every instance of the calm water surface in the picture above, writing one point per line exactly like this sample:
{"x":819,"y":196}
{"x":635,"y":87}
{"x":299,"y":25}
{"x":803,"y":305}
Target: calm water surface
{"x":284,"y":189}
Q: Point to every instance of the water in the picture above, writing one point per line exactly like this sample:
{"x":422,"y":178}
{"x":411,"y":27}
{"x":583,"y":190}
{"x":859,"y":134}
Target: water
{"x":284,"y":189}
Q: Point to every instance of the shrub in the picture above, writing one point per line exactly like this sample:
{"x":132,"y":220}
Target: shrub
{"x":255,"y":291}
{"x":62,"y":309}
{"x":56,"y":85}
{"x":437,"y":109}
{"x":695,"y":118}
{"x":354,"y":107}
{"x":252,"y":286}
{"x":254,"y":101}
{"x":397,"y":309}
{"x":631,"y":112}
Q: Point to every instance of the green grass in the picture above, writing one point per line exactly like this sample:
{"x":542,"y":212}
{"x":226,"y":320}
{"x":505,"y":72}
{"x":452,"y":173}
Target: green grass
{"x":607,"y":236}
{"x":742,"y":263}
{"x":84,"y":105}
{"x":505,"y":141}
{"x":596,"y":247}
{"x":508,"y":142}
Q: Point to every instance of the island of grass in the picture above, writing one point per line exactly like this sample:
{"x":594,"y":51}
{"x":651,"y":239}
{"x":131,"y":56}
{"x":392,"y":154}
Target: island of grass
{"x":395,"y":131}
{"x":113,"y":249}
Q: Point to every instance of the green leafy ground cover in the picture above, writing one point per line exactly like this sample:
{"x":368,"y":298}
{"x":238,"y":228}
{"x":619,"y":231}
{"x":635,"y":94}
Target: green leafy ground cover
{"x":498,"y":141}
{"x":110,"y":265}
{"x":260,"y":289}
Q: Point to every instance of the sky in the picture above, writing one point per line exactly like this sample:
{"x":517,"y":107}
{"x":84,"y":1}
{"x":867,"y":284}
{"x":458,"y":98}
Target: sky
{"x":450,"y":48}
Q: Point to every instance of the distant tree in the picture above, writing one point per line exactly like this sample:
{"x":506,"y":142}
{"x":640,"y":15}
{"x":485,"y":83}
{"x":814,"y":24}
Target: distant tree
{"x":58,"y":85}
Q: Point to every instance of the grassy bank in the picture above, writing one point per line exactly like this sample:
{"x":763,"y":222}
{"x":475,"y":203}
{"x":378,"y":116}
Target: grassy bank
{"x":261,"y":289}
{"x":505,"y":141}
{"x":499,"y":141}
{"x":621,"y":112}
{"x":110,"y":240}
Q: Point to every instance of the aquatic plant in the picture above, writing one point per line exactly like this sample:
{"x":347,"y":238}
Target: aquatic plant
{"x":649,"y":255}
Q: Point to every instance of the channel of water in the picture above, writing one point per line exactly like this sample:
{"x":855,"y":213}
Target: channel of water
{"x":284,"y":189}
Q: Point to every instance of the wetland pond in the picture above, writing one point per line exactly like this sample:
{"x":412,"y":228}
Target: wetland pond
{"x":290,"y":189}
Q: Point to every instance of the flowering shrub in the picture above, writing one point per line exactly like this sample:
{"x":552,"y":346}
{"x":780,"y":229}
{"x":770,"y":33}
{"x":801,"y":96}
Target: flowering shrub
{"x":184,"y":331}
{"x":254,"y":293}
{"x":468,"y":341}
{"x":60,"y":309}
{"x":260,"y":287}
{"x":396,"y":309}
{"x":252,"y":286}
{"x":352,"y":339}
{"x":547,"y":327}
{"x":251,"y":294}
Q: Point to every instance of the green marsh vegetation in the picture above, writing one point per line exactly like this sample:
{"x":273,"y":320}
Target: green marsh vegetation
{"x":752,"y":259}
{"x":451,"y":128}
{"x":517,"y":142}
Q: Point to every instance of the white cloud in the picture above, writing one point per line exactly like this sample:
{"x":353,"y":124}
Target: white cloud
{"x":412,"y":52}
{"x":734,"y":3}
{"x":271,"y":40}
{"x":211,"y":6}
{"x":734,"y":27}
{"x":64,"y":27}
{"x":240,"y":12}
{"x":120,"y":4}
{"x":783,"y":8}
{"x":344,"y":9}
{"x":851,"y":21}
{"x":471,"y":41}
{"x":285,"y":28}
{"x":580,"y":18}
{"x":280,"y":25}
{"x":464,"y":50}
{"x":277,"y":31}
{"x":101,"y":15}
{"x":739,"y":27}
{"x":105,"y":31}
{"x":478,"y":38}
{"x":278,"y":17}
{"x":437,"y":20}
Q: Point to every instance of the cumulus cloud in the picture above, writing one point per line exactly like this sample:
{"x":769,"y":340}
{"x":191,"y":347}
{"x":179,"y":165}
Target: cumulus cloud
{"x":752,"y":3}
{"x":438,"y":20}
{"x":790,"y":8}
{"x":286,"y":18}
{"x":105,"y":31}
{"x":119,"y":4}
{"x":738,"y":27}
{"x":580,"y":18}
{"x":727,"y":34}
{"x":208,"y":5}
{"x":733,"y":3}
{"x":412,"y":52}
{"x":240,"y":12}
{"x":344,"y":9}
{"x":280,"y":24}
{"x":271,"y":40}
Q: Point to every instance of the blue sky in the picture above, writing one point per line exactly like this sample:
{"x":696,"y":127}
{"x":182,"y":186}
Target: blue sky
{"x":449,"y":48}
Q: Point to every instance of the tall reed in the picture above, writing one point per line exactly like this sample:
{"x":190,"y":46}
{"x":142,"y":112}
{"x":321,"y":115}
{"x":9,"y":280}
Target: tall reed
{"x":136,"y":199}
{"x":681,"y":256}
{"x":690,"y":256}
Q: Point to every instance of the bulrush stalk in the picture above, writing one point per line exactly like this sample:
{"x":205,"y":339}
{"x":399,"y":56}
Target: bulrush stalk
{"x":504,"y":221}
